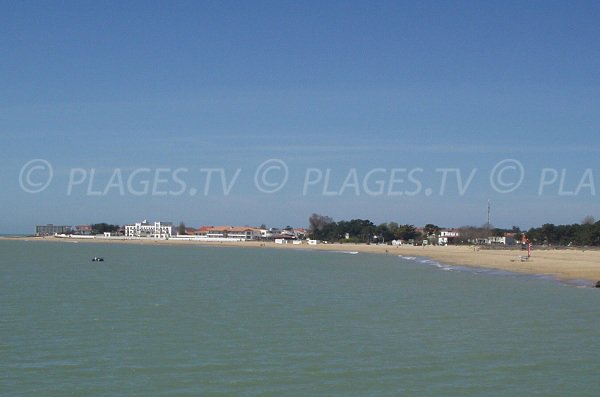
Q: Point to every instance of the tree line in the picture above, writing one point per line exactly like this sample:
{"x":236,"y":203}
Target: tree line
{"x":101,"y":228}
{"x":364,"y":231}
{"x":360,"y":230}
{"x":584,"y":234}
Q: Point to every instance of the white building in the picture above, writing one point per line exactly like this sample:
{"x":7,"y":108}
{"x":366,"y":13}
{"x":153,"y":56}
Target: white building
{"x":244,"y":233}
{"x":234,"y":233}
{"x":447,"y":236}
{"x":149,"y":230}
{"x":266,"y":234}
{"x":504,"y":240}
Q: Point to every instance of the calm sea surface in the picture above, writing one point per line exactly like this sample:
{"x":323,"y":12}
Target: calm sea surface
{"x":198,"y":321}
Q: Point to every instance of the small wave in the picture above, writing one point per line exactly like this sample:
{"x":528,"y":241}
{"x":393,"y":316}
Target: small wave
{"x":408,"y":258}
{"x":427,"y":261}
{"x":439,"y":265}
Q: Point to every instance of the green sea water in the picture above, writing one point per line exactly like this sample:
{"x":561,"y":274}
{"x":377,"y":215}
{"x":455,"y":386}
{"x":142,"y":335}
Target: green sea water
{"x":199,"y":321}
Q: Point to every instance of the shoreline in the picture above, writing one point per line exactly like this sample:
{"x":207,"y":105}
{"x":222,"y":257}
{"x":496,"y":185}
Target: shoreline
{"x":564,"y":264}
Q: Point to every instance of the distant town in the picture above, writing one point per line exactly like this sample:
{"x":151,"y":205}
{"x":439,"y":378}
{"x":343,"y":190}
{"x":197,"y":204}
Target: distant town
{"x":324,"y":230}
{"x":166,"y":230}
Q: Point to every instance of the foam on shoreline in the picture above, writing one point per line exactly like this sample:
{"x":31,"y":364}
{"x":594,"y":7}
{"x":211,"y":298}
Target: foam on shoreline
{"x":493,"y":272}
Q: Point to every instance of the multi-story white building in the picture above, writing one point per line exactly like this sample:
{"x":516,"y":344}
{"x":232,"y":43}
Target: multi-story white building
{"x":244,"y":233}
{"x":447,"y":236}
{"x":160,"y":230}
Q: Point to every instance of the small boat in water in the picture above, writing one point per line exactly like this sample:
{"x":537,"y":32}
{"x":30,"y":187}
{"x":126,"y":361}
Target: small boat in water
{"x":97,"y":259}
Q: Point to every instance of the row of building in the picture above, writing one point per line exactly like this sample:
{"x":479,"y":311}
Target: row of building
{"x":452,"y":236}
{"x":166,"y":230}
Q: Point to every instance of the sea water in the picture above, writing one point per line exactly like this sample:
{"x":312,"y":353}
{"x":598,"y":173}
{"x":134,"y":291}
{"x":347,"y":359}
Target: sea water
{"x":200,"y":321}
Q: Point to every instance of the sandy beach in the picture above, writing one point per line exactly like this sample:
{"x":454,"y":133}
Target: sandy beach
{"x":563,"y":264}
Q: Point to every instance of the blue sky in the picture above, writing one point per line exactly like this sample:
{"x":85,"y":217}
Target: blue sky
{"x":108,"y":88}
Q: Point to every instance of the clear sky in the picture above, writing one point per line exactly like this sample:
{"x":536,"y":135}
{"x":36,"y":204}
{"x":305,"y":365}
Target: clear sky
{"x":414,"y":112}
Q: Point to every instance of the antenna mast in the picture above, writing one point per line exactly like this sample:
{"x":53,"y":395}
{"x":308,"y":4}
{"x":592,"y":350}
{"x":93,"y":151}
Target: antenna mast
{"x":489,"y":224}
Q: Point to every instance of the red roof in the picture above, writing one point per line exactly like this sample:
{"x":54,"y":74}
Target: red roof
{"x":227,"y":229}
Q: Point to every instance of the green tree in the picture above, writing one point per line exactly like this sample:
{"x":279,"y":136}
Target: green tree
{"x":407,"y":232}
{"x":431,"y":229}
{"x":384,"y":233}
{"x":101,"y":228}
{"x":320,"y":226}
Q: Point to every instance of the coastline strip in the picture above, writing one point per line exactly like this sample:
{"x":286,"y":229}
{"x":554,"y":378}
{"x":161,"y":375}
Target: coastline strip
{"x":562,"y":264}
